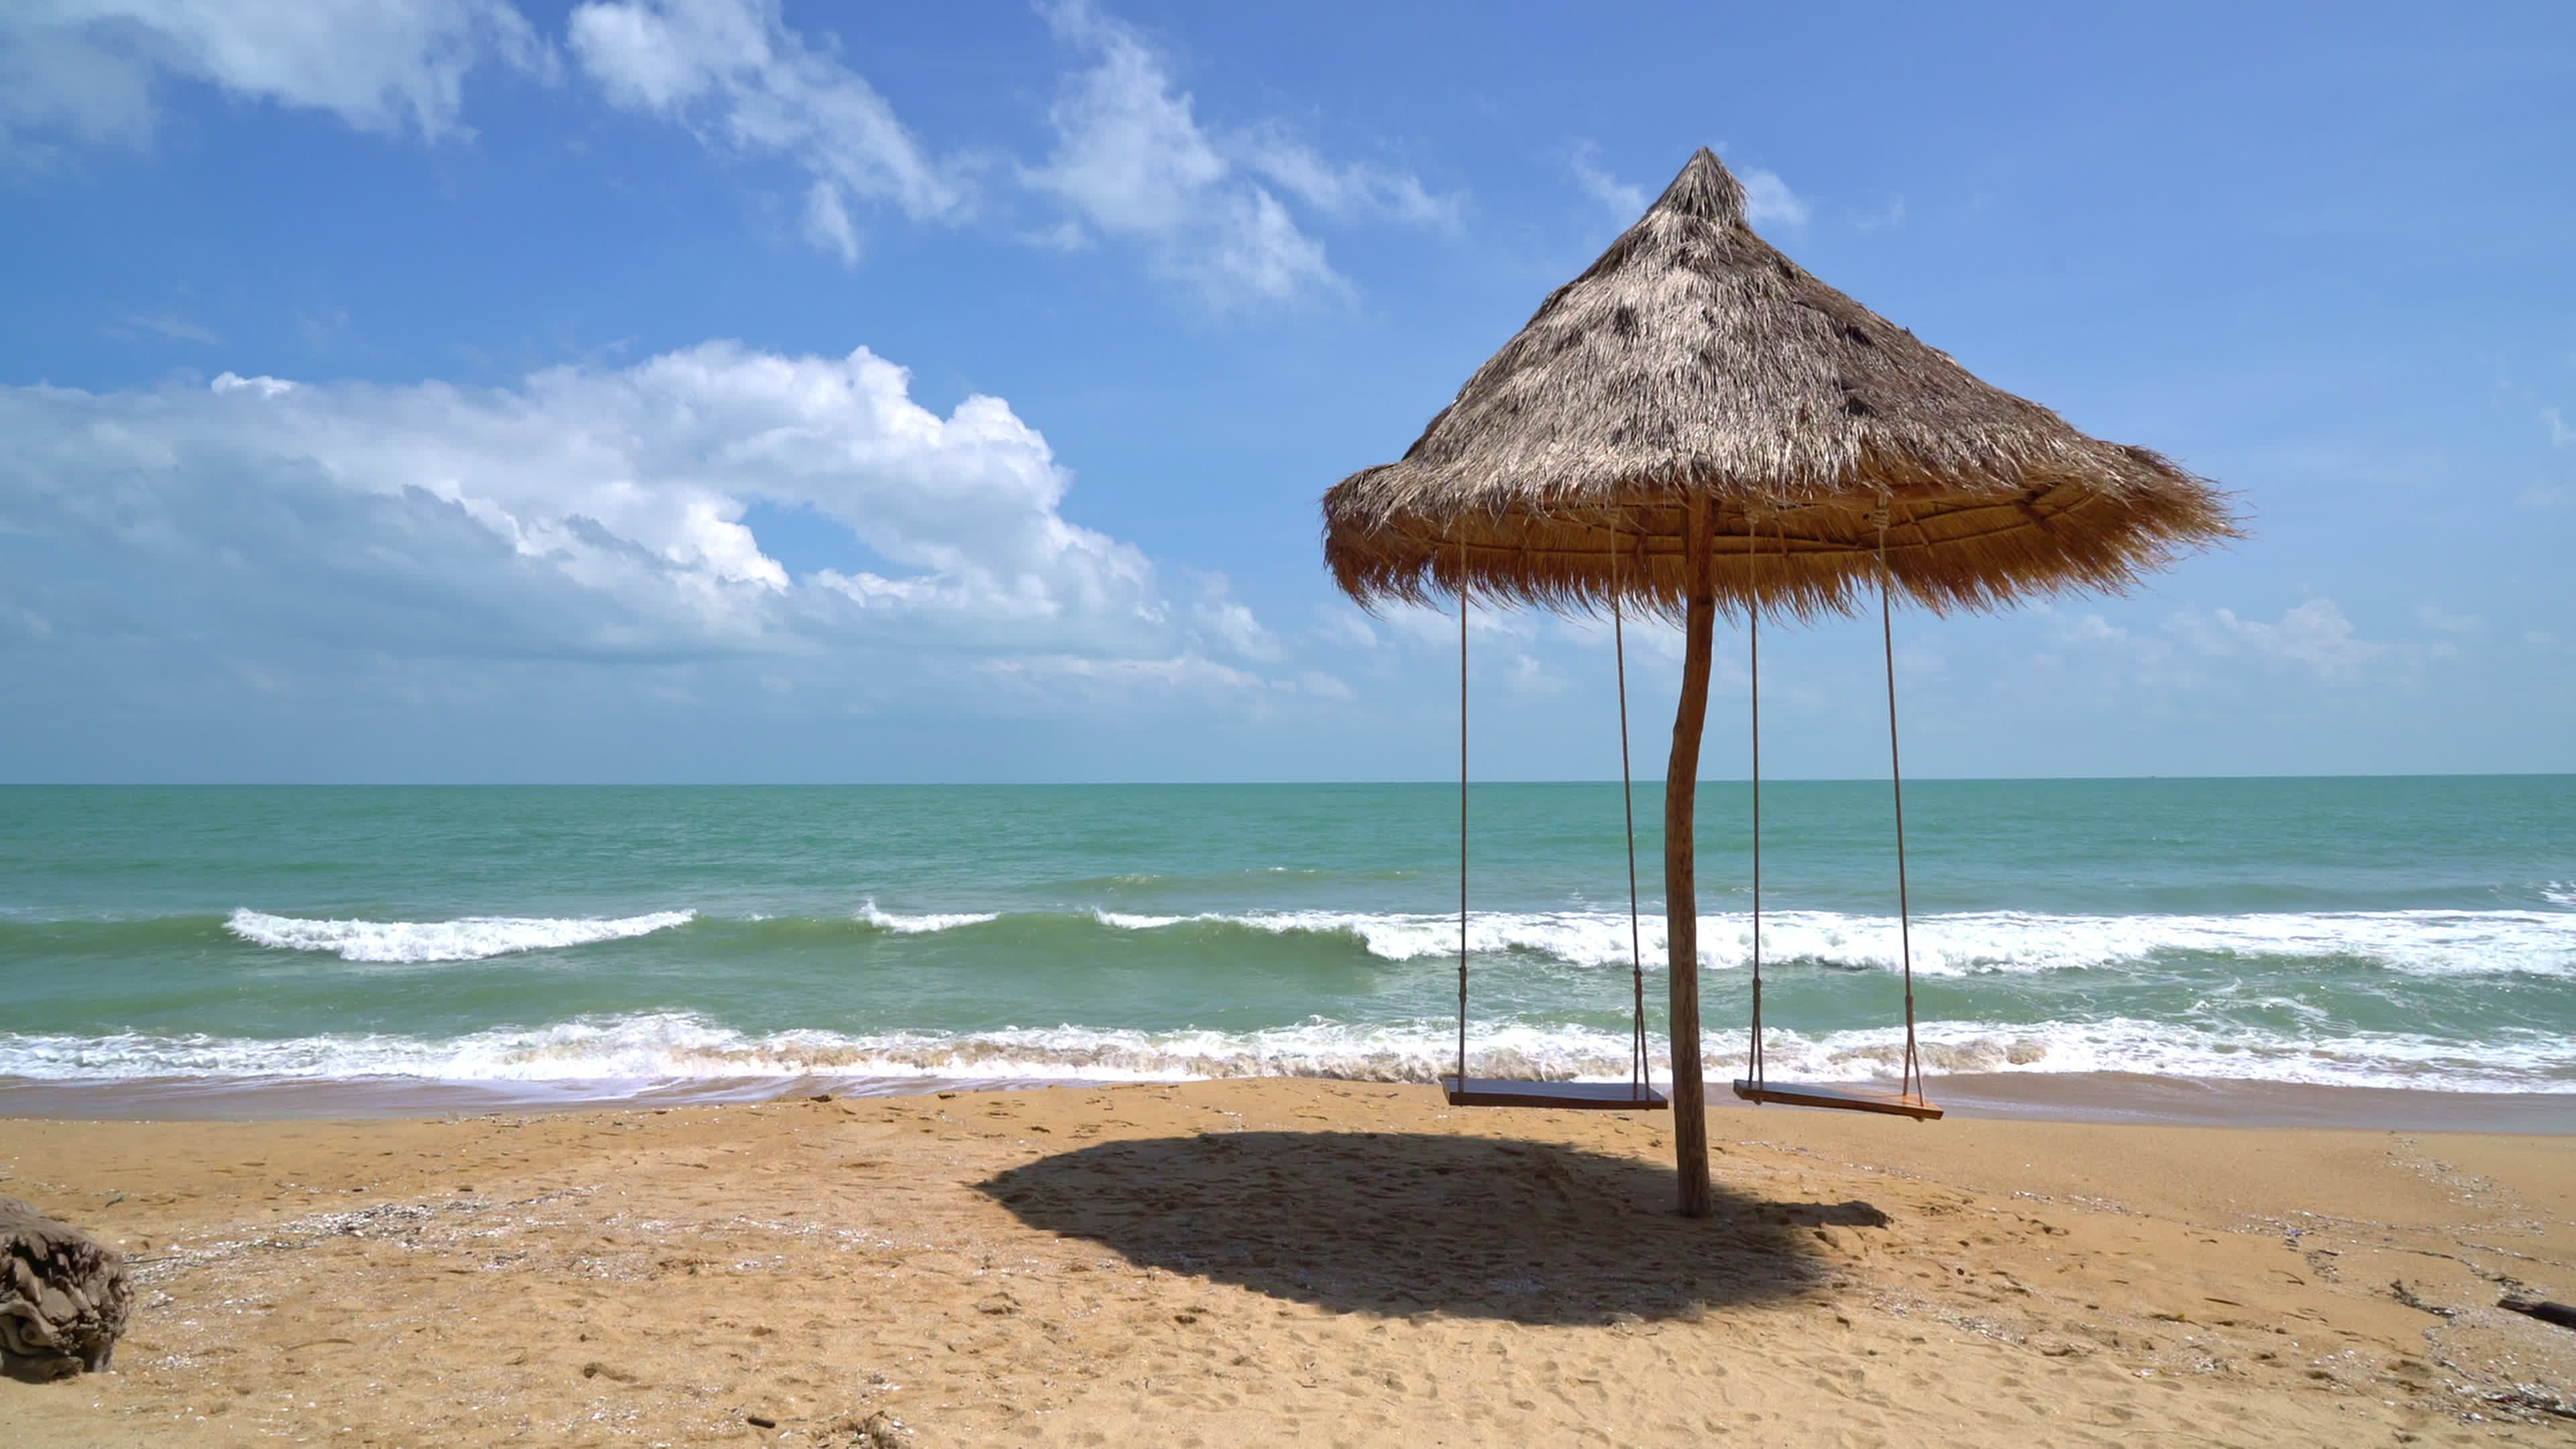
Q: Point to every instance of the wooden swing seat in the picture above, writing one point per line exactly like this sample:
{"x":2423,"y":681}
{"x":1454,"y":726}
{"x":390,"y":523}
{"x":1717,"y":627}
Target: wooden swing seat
{"x":1844,"y":1098}
{"x":1581,"y":1096}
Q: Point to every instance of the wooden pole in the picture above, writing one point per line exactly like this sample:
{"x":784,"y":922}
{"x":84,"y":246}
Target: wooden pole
{"x":1681,"y":893}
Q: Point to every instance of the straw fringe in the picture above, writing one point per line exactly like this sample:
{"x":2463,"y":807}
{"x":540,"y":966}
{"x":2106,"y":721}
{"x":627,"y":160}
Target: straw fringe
{"x":1693,"y":358}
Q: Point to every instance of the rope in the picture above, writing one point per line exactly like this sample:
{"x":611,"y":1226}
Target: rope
{"x":1462,"y":817}
{"x":1753,"y":633}
{"x":1639,"y":1068}
{"x":1640,"y":1065}
{"x":1912,"y":1082}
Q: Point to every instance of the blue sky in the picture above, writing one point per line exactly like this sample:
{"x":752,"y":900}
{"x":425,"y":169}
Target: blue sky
{"x":716,"y":390}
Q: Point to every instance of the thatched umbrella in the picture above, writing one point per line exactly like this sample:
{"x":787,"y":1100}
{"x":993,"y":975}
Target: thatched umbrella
{"x":1696,"y":424}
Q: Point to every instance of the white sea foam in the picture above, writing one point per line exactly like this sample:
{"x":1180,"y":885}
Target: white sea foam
{"x":2416,"y":942}
{"x":471,"y":939}
{"x":920,"y":925}
{"x":2560,"y":892}
{"x":2432,"y":943}
{"x":1123,"y":921}
{"x":2528,"y":1061}
{"x":664,"y":1047}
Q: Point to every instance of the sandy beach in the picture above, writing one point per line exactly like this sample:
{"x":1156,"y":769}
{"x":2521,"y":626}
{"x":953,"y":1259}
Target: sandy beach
{"x":1303,"y":1261}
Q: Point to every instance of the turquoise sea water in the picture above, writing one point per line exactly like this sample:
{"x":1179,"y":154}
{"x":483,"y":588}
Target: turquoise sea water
{"x":2382,"y":932}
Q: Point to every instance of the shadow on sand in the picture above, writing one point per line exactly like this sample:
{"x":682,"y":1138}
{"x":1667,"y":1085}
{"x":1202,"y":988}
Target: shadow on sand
{"x":1394,"y":1223}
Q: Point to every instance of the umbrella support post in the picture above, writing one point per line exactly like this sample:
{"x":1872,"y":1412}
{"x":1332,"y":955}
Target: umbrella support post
{"x":1681,"y":895}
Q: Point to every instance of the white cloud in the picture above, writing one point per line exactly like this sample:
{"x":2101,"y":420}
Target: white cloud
{"x":1438,"y":627}
{"x":1213,"y":208}
{"x":1356,"y":192}
{"x":2087,"y":639}
{"x":1233,"y":628}
{"x":587,"y":513}
{"x":1923,"y":658}
{"x":84,"y":70}
{"x":1325,"y":686}
{"x":828,"y":225}
{"x":1624,"y":202}
{"x":2437,"y":617}
{"x":734,"y":73}
{"x":1893,"y":216}
{"x":2315,"y":633}
{"x":1526,"y":675}
{"x":1768,"y":198}
{"x":2560,"y":435}
{"x":2088,"y":629}
{"x":1180,"y":672}
{"x":172,"y":326}
{"x":264,"y":386}
{"x":1131,"y":159}
{"x":1344,"y":628}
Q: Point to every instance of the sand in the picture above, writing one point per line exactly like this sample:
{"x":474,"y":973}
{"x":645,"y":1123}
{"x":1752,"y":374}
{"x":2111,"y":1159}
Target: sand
{"x":1243,"y":1263}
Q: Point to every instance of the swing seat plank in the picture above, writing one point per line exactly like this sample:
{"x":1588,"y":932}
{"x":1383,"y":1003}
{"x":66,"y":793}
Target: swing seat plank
{"x":1580,"y":1096}
{"x":1840,"y":1096}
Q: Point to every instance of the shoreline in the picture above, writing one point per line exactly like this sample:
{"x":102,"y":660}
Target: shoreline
{"x":2099,"y":1098}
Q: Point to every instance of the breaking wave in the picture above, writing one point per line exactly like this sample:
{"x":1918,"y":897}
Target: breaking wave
{"x":676,"y":1046}
{"x":2416,"y":942}
{"x":474,"y":938}
{"x":2419,"y":943}
{"x":923,"y":924}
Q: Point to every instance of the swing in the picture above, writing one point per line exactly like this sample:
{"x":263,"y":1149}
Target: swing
{"x":1637,"y":1094}
{"x":1907,"y":1100}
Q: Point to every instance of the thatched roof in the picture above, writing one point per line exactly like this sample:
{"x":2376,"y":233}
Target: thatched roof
{"x":1695,"y":366}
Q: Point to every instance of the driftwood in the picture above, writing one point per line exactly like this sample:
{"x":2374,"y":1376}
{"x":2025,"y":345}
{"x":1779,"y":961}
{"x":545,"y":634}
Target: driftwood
{"x":2540,"y":1308}
{"x":64,"y":1296}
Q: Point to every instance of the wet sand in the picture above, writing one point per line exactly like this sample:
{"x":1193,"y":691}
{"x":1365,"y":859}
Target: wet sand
{"x":1303,"y":1261}
{"x":2107,"y":1097}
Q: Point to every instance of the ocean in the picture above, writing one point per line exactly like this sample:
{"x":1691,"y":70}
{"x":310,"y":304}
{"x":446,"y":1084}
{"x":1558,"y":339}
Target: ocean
{"x":594,"y":943}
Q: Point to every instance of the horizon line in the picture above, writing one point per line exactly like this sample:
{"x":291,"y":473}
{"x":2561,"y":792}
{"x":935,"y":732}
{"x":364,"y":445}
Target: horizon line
{"x":1212,"y":783}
